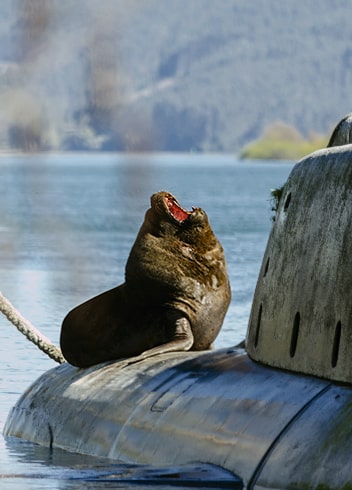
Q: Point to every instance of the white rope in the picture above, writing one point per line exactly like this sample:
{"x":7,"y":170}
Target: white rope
{"x":29,"y":331}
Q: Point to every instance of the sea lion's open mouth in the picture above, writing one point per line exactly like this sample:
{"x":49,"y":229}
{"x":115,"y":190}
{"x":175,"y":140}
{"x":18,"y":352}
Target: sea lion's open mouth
{"x":176,"y":211}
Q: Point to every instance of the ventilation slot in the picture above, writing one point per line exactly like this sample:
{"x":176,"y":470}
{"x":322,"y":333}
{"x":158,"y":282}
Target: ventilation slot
{"x":256,"y":338}
{"x":294,"y":336}
{"x":336,"y":345}
{"x":287,"y":201}
{"x":266,"y":267}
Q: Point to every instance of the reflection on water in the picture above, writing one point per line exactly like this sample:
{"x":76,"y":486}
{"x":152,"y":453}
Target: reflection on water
{"x":67,"y":224}
{"x":37,"y":467}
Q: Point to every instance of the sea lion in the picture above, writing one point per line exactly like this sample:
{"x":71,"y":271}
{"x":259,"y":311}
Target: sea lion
{"x":174,"y":298}
{"x":342,"y":134}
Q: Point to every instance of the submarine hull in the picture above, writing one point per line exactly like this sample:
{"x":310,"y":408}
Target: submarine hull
{"x":269,"y":427}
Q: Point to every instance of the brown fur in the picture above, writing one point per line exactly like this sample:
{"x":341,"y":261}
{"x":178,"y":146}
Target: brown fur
{"x":175,"y":296}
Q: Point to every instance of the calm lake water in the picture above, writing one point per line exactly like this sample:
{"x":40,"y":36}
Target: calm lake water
{"x":67,"y":223}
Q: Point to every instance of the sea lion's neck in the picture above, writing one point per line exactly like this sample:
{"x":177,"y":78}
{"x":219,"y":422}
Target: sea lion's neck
{"x":201,"y":239}
{"x":157,"y":225}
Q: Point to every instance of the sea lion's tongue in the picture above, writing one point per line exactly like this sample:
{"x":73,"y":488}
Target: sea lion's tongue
{"x":175,"y":209}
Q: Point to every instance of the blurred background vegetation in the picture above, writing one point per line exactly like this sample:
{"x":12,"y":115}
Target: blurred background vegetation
{"x":176,"y":75}
{"x":281,"y":141}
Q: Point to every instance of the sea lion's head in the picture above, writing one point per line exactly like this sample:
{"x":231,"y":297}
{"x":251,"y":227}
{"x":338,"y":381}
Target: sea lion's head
{"x":166,"y":206}
{"x":168,"y":217}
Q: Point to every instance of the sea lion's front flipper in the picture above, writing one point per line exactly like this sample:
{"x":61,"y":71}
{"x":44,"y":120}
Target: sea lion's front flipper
{"x":182,"y":339}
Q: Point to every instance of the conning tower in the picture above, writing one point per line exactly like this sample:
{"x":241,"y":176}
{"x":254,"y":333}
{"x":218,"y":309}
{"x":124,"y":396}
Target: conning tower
{"x":301,"y":318}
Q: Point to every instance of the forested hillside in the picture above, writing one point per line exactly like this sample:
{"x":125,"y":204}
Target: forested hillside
{"x":176,"y":75}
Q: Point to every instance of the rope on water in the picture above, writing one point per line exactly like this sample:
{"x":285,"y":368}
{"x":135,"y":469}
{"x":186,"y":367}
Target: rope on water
{"x":29,"y":331}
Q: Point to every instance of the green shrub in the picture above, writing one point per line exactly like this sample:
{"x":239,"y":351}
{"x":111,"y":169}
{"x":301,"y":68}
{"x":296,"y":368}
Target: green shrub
{"x":283,"y":142}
